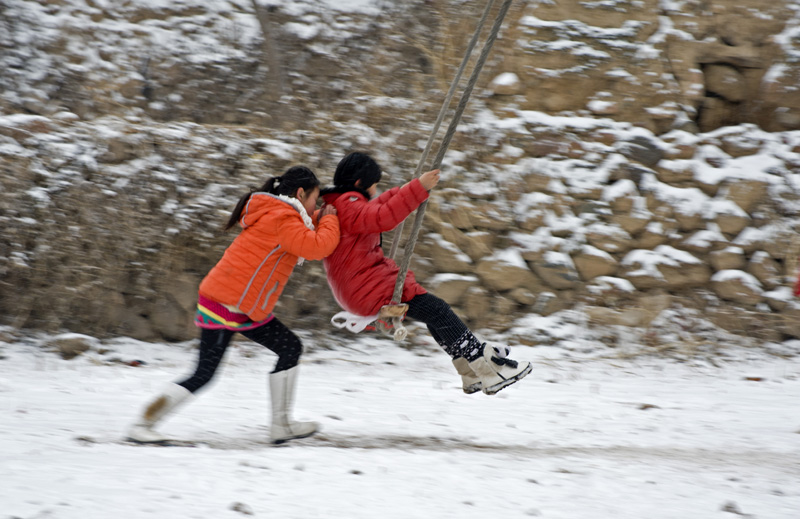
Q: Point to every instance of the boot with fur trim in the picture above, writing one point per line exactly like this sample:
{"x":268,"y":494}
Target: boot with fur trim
{"x":496,"y":371}
{"x":143,"y":430}
{"x":470,"y":381}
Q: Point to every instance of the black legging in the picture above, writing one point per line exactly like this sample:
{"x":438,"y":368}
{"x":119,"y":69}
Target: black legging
{"x":446,"y":328}
{"x":274,"y":335}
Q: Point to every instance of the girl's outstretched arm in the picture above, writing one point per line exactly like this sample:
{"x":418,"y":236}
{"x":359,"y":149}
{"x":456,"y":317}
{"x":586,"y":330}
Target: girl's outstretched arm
{"x":306,"y":243}
{"x":385,"y":212}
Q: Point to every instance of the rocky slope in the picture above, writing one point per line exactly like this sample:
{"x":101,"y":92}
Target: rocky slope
{"x":623,"y":164}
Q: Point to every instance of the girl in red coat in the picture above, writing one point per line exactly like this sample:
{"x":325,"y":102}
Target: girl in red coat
{"x":239,"y":293}
{"x":362,"y":278}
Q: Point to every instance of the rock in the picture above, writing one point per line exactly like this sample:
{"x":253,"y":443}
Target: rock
{"x":503,"y":275}
{"x":689,"y":221}
{"x":446,"y":256}
{"x":675,"y":172}
{"x":523,"y":296}
{"x":608,"y":238}
{"x":654,"y":302}
{"x":631,"y":317}
{"x":779,"y":299}
{"x":70,"y":346}
{"x":459,"y":216}
{"x":557,"y":270}
{"x":740,"y":145}
{"x":765,"y":269}
{"x":642,"y":150}
{"x":622,"y":204}
{"x":548,"y":303}
{"x":591,"y":263}
{"x":477,"y":305}
{"x":726,"y":82}
{"x":475,"y":245}
{"x":452,"y":287}
{"x":789,"y":323}
{"x":730,"y":258}
{"x":487,"y":217}
{"x":664,"y":267}
{"x":703,"y":242}
{"x":506,"y":84}
{"x":738,"y":286}
{"x":747,"y":193}
{"x":121,"y":148}
{"x":731,"y":224}
{"x":171,"y":321}
{"x":137,"y":327}
{"x":633,"y":223}
{"x":537,"y":182}
{"x":651,"y":237}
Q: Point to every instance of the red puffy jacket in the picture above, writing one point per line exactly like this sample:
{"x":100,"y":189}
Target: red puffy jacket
{"x":361,"y":277}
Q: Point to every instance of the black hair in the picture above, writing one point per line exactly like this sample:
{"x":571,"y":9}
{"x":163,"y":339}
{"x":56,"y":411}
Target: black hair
{"x":287,"y":184}
{"x":354,"y":167}
{"x":357,"y":166}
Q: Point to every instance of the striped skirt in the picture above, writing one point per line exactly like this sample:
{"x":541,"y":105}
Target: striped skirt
{"x":214,"y":316}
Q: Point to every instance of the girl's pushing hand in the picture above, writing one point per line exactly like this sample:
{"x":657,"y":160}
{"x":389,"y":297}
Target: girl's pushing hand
{"x":326,"y":210}
{"x":429,"y":179}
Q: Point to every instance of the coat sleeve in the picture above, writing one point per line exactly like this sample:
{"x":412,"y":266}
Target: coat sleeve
{"x":797,"y":287}
{"x":385,"y":212}
{"x":301,"y":241}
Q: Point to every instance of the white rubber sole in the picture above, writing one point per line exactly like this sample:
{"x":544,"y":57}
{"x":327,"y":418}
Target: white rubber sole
{"x":491,"y":390}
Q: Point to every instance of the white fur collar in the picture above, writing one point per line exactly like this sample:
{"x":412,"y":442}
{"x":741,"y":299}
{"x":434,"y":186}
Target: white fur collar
{"x":294,"y":202}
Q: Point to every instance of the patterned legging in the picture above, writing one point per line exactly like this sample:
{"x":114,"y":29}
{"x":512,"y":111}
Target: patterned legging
{"x":446,"y":328}
{"x":274,"y":335}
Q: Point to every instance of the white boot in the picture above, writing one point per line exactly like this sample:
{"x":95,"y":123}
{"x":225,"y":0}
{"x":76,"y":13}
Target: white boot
{"x":142,"y":431}
{"x":496,"y":372}
{"x":470,"y":381}
{"x":282,"y":388}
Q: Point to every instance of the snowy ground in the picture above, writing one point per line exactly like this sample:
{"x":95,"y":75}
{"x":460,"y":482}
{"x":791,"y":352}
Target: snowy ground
{"x":579,"y":438}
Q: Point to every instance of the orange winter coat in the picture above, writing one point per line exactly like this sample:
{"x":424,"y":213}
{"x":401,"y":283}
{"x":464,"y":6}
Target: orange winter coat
{"x":251,"y":274}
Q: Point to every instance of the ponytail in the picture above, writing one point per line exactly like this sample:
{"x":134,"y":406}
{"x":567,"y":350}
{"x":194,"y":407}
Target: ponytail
{"x":233,"y":219}
{"x":287,"y":184}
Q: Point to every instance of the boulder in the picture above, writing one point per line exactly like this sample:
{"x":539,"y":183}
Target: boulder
{"x":609,"y":238}
{"x":591,"y":263}
{"x":452,"y":287}
{"x":737,"y":286}
{"x":730,"y":258}
{"x":665,"y":267}
{"x":765,"y":269}
{"x":477,"y":305}
{"x":446,"y":256}
{"x":557,"y":270}
{"x":747,"y":193}
{"x":70,"y":345}
{"x":506,"y":272}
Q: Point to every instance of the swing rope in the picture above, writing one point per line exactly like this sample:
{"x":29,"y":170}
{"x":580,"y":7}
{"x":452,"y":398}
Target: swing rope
{"x":448,"y":98}
{"x":451,"y":130}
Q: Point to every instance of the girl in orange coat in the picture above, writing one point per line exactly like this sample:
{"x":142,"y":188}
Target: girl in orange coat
{"x":239,"y":293}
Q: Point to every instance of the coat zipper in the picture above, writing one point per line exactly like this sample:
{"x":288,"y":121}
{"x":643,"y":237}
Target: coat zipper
{"x":266,"y":299}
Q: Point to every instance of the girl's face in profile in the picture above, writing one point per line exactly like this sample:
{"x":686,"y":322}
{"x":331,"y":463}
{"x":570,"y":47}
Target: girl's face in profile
{"x":372,"y":190}
{"x":308,"y":199}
